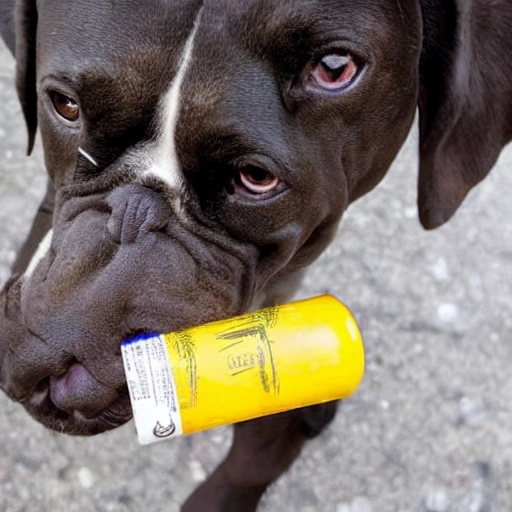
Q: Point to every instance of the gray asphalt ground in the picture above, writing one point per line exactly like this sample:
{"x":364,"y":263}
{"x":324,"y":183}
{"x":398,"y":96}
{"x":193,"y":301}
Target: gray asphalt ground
{"x":429,"y":430}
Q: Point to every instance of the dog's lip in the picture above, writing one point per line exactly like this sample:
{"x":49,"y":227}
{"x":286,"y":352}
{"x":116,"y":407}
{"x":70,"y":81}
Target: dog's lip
{"x":76,"y":422}
{"x":118,"y":412}
{"x":115,"y":414}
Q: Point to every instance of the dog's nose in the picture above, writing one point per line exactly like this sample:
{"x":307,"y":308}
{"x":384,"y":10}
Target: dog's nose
{"x":135,"y":209}
{"x":77,"y":391}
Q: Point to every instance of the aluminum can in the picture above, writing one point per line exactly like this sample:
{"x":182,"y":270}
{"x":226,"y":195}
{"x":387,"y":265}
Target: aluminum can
{"x":276,"y":359}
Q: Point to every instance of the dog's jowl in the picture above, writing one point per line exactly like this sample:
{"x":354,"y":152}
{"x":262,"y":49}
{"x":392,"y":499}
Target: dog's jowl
{"x":200,"y":154}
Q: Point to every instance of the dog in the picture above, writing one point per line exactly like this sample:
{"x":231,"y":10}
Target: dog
{"x":200,"y":156}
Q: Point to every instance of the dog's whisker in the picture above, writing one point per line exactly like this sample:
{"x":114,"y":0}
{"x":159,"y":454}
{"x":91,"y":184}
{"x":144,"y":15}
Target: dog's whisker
{"x":88,"y":156}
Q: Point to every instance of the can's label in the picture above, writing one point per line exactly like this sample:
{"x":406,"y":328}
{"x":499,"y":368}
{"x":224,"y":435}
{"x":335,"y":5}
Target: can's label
{"x":232,"y":370}
{"x":152,"y":388}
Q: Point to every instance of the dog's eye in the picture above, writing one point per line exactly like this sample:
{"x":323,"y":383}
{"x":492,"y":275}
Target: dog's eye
{"x":257,"y":181}
{"x":335,"y":72}
{"x":65,"y":106}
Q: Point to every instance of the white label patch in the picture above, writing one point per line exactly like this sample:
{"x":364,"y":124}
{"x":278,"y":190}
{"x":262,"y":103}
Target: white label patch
{"x":152,"y":389}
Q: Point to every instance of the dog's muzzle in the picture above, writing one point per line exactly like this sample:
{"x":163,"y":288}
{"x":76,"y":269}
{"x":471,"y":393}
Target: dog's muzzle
{"x":119,"y":264}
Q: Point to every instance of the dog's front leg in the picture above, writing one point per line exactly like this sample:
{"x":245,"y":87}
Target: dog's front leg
{"x":262,"y":450}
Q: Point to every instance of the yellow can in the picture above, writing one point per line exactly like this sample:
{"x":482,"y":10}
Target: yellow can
{"x":256,"y":364}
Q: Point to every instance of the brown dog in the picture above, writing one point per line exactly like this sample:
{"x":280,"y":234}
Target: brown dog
{"x":200,"y":157}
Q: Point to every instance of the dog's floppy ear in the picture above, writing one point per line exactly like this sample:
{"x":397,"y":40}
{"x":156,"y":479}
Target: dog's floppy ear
{"x":465,"y":100}
{"x":25,"y":53}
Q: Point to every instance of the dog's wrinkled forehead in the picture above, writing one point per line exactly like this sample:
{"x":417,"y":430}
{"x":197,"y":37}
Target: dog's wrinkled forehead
{"x":99,"y":40}
{"x":199,"y":71}
{"x":111,"y":29}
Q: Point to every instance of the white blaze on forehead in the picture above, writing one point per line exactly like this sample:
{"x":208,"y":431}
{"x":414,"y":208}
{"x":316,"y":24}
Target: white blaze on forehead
{"x":164,"y":163}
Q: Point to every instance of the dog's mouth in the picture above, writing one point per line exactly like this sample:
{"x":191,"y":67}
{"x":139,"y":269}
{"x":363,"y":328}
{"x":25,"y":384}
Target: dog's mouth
{"x":76,"y":403}
{"x":117,"y":266}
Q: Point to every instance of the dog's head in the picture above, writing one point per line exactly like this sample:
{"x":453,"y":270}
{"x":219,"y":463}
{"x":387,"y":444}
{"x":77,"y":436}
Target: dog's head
{"x":202,"y":154}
